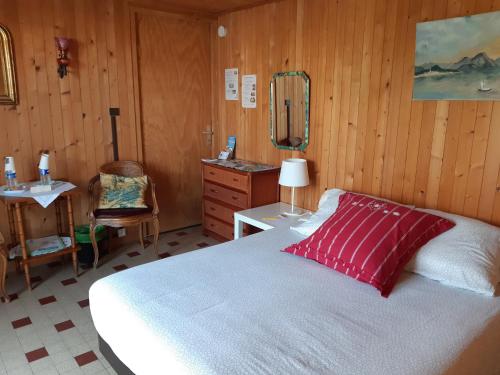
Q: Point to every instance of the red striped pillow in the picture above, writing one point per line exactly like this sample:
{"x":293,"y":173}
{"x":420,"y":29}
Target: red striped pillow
{"x":370,"y":240}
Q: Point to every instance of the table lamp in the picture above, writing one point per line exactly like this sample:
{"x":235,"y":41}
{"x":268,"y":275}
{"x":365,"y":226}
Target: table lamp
{"x":294,"y":174}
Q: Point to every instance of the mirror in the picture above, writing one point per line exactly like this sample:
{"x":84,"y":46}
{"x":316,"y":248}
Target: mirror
{"x":8,"y":89}
{"x":289,"y":104}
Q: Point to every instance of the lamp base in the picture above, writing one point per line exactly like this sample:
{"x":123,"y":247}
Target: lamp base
{"x":295,"y":213}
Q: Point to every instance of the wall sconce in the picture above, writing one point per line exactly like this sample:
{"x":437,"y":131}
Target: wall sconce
{"x":62,"y":45}
{"x":221,"y":31}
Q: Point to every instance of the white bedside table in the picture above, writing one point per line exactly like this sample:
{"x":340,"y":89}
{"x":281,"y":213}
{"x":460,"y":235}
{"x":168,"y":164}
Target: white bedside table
{"x":266,"y":217}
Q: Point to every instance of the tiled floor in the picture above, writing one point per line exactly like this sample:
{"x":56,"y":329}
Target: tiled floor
{"x":50,"y":330}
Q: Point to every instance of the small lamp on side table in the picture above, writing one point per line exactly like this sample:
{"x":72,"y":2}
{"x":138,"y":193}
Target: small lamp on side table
{"x":294,"y":174}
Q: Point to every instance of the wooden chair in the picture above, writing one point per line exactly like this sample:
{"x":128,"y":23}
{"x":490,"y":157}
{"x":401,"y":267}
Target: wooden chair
{"x":3,"y":269}
{"x":122,"y":217}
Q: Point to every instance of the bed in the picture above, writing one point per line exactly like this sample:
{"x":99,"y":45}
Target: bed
{"x":244,"y":307}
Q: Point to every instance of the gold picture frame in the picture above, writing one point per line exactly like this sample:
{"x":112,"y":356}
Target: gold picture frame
{"x":8,"y":86}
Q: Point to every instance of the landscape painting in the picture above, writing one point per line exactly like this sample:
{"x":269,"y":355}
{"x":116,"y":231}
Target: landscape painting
{"x":458,"y":59}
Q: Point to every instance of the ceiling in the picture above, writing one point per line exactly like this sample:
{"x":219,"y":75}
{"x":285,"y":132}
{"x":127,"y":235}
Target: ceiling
{"x":215,"y":6}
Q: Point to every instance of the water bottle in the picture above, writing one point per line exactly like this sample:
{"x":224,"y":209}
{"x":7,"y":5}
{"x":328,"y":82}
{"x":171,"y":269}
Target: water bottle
{"x":43,"y":169}
{"x":10,"y":173}
{"x":44,"y":176}
{"x":10,"y":178}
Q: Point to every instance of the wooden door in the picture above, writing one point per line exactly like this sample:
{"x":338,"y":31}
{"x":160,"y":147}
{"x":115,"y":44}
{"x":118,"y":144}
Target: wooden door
{"x":173,"y":66}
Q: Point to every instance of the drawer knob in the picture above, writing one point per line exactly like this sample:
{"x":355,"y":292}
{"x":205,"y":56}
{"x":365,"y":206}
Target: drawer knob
{"x":213,"y":190}
{"x":212,"y":173}
{"x":212,"y":208}
{"x":234,"y":198}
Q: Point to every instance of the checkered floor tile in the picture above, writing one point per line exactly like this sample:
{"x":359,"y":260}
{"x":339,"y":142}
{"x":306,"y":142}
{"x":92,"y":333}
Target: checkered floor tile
{"x":49,"y":330}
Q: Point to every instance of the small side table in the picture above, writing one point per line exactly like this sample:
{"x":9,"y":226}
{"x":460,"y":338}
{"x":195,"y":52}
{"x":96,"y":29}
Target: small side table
{"x":18,"y":235}
{"x":266,"y":217}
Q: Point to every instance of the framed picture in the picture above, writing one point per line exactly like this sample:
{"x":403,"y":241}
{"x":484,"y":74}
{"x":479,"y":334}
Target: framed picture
{"x":458,"y":59}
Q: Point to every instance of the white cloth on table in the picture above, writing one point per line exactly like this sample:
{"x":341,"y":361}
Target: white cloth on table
{"x":45,"y":198}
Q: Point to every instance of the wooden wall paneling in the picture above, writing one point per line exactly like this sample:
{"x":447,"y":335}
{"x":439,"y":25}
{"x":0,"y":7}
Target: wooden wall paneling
{"x":365,"y":135}
{"x":26,"y":67}
{"x":69,"y":117}
{"x":77,"y":142}
{"x":336,"y":93}
{"x":450,"y":155}
{"x":352,"y":120}
{"x":59,"y":161}
{"x":405,"y":109}
{"x":310,"y":26}
{"x":395,"y":100}
{"x":426,"y":127}
{"x":345,"y":84}
{"x":490,"y":184}
{"x":361,"y":126}
{"x":103,"y":84}
{"x":15,"y":119}
{"x":9,"y":115}
{"x":424,"y":154}
{"x":372,"y":137}
{"x":462,"y":163}
{"x":262,"y":51}
{"x":317,"y":176}
{"x":374,"y":101}
{"x":320,"y":169}
{"x":410,"y":163}
{"x":436,"y":154}
{"x":214,"y":84}
{"x":427,"y":190}
{"x":87,"y":114}
{"x":130,"y":145}
{"x":477,"y":158}
{"x":40,"y":65}
{"x":384,"y":94}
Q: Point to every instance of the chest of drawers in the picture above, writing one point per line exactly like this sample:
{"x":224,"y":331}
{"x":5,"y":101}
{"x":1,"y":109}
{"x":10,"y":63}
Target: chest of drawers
{"x":226,"y":190}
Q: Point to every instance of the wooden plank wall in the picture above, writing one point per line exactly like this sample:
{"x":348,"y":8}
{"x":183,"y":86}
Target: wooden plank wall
{"x":367,"y":134}
{"x":68,"y":117}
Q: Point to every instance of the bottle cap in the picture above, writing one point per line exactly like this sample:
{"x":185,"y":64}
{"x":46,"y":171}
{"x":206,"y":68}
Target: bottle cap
{"x":44,"y":161}
{"x":9,"y":164}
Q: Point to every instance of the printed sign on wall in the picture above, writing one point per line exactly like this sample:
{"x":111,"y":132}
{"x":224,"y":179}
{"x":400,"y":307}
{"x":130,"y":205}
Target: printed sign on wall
{"x":231,"y":78}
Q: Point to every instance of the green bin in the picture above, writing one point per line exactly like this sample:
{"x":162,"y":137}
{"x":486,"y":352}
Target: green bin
{"x":86,"y":252}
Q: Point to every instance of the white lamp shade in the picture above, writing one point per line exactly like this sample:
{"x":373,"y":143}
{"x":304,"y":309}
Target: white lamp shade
{"x":294,"y":173}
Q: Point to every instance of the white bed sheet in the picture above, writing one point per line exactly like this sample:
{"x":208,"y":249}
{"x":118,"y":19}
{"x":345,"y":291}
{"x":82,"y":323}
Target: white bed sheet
{"x":243,"y":307}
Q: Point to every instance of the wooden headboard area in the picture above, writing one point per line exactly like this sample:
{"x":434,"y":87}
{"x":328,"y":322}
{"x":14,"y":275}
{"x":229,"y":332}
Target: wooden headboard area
{"x":367,"y":134}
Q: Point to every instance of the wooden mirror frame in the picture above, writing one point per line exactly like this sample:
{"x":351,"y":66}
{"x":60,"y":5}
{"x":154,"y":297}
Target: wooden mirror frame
{"x":8,"y":73}
{"x":306,"y":79}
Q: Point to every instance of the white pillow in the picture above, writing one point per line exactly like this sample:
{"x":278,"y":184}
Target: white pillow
{"x":327,"y":206}
{"x":467,"y":256}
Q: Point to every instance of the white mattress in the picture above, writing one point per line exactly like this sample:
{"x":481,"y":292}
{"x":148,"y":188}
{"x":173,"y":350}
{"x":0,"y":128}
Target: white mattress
{"x":244,"y":307}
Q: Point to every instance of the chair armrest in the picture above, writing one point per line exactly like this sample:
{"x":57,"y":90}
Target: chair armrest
{"x":156,"y":210}
{"x":91,"y":192}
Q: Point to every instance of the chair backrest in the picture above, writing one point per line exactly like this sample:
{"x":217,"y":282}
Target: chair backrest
{"x":126,"y":168}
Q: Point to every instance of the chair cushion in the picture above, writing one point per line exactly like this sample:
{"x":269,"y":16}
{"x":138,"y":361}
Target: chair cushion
{"x":122,"y":192}
{"x":116,"y":213}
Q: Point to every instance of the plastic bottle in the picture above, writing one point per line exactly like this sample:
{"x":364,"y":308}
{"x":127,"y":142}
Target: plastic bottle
{"x":43,"y":169}
{"x":44,"y":176}
{"x":10,"y":173}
